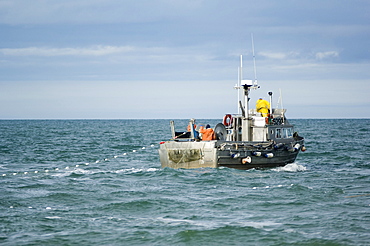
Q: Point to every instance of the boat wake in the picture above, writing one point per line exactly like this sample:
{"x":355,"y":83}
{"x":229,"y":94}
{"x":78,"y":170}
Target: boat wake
{"x":293,"y":167}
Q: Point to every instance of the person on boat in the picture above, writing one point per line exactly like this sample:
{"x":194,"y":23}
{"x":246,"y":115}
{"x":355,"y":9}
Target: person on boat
{"x":207,"y":134}
{"x":196,"y":133}
{"x":263,"y":107}
{"x":195,"y":126}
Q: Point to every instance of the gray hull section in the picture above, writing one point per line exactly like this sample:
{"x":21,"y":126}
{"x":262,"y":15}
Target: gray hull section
{"x":240,"y":155}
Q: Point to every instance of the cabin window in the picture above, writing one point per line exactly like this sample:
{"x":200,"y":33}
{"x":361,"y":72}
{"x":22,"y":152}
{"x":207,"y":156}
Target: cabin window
{"x":284,"y":133}
{"x":288,"y":133}
{"x":278,"y":133}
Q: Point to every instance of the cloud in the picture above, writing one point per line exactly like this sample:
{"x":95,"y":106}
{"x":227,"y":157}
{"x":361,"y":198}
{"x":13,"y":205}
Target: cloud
{"x":326,"y":55}
{"x":42,"y":51}
{"x":273,"y":55}
{"x":143,"y":55}
{"x":279,"y":55}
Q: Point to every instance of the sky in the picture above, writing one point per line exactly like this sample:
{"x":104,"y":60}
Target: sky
{"x":171,"y":59}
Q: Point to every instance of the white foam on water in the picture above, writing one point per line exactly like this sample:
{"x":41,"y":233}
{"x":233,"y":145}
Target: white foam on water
{"x":176,"y":222}
{"x":61,"y":174}
{"x":260,"y":225}
{"x":53,"y":217}
{"x":266,"y":225}
{"x":290,"y":230}
{"x":129,"y":170}
{"x":136,"y":170}
{"x":83,"y":171}
{"x":293,"y":167}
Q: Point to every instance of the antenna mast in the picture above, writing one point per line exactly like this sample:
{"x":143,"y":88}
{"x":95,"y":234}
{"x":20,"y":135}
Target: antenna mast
{"x":254,"y":62}
{"x":240,"y":78}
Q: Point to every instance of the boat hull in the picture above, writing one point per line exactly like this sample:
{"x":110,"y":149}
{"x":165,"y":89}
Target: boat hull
{"x":239,"y":155}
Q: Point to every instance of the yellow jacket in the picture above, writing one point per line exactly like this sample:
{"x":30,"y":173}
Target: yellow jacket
{"x":263,"y":107}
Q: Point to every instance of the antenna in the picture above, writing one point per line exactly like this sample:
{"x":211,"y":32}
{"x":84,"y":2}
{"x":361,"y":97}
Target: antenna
{"x":237,"y":87}
{"x":280,"y":101}
{"x":241,"y":69}
{"x":254,"y":62}
{"x":240,"y":80}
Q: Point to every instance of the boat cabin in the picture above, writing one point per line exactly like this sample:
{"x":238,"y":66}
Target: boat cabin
{"x":261,"y":129}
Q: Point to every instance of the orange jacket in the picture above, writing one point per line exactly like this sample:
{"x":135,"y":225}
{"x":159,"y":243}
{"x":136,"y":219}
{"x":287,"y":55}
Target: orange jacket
{"x":207,"y":133}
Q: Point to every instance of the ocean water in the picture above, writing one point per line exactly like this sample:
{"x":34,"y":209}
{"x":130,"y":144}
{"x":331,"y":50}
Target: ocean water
{"x":100,"y":182}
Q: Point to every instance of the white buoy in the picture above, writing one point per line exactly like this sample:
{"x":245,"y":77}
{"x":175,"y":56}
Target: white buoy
{"x":297,"y":146}
{"x":235,"y":155}
{"x":269,"y":155}
{"x":257,"y":153}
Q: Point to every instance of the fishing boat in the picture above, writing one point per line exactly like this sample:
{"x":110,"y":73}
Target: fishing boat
{"x":245,"y":140}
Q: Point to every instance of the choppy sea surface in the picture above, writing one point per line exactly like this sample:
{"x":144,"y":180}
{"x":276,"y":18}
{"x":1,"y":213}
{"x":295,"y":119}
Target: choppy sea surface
{"x":100,"y":182}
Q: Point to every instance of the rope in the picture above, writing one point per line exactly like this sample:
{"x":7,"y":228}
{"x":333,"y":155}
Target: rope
{"x":73,"y":166}
{"x":357,"y":196}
